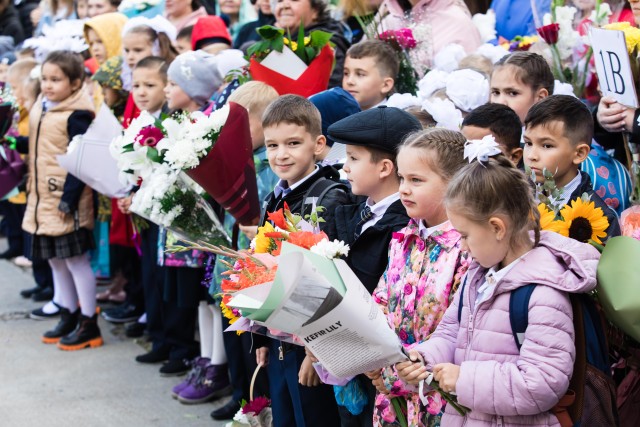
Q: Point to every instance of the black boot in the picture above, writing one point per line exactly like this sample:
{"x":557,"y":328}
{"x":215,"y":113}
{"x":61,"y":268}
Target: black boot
{"x":66,"y":325}
{"x":87,"y":334}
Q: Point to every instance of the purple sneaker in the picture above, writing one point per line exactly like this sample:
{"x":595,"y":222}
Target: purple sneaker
{"x":212,"y":385}
{"x":197,"y":370}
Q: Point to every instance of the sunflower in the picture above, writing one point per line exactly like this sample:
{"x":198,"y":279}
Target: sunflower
{"x":583,"y":221}
{"x":262,"y":243}
{"x":548,"y":220}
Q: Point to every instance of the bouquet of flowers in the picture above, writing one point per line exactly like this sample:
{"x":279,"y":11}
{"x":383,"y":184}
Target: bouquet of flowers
{"x":518,"y":43}
{"x":255,"y":413}
{"x":216,"y":152}
{"x":171,"y":199}
{"x":12,"y":167}
{"x":570,"y":65}
{"x":402,"y":42}
{"x":301,"y":66}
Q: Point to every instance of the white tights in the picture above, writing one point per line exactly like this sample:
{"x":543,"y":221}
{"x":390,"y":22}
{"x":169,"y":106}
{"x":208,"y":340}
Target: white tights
{"x":73,"y":282}
{"x":211,"y":342}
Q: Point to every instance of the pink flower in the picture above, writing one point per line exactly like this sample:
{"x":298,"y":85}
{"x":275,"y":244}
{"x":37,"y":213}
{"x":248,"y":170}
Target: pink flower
{"x":434,"y":407}
{"x":408,"y":289}
{"x":256,"y":405}
{"x":399,"y":39}
{"x":402,"y":334}
{"x":150,"y":136}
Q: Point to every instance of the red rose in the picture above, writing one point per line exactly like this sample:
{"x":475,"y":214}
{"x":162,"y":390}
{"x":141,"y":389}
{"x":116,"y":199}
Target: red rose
{"x":549,"y":33}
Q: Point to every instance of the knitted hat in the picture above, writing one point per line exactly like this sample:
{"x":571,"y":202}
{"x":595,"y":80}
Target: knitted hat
{"x":209,"y":29}
{"x":197,"y":74}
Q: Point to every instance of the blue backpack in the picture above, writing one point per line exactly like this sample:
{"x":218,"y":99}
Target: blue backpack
{"x":591,"y":397}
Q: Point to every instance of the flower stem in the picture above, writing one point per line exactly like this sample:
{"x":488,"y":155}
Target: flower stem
{"x":397,"y":407}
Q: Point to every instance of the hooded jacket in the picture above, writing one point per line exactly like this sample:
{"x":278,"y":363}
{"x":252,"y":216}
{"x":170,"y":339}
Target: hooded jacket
{"x":108,"y":27}
{"x":501,"y":385}
{"x":10,"y":24}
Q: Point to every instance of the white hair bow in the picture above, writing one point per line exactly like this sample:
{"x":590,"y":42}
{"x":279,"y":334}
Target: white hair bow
{"x":158,"y":24}
{"x":444,"y":112}
{"x":481,"y":149}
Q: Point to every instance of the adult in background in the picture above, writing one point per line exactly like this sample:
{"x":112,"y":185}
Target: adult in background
{"x":314,"y":14}
{"x":183,"y":13}
{"x":516,"y":18}
{"x":10,"y":22}
{"x":247,"y":33}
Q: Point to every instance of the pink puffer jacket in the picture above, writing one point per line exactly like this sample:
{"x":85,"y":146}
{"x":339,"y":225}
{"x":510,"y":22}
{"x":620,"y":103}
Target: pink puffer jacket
{"x":504,"y":387}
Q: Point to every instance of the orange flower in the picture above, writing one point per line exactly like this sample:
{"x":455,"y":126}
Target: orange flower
{"x":306,"y":239}
{"x":278,"y":219}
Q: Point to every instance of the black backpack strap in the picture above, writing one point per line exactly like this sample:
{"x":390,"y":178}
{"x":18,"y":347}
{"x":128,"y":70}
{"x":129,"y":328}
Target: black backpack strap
{"x":317,"y":191}
{"x":519,"y":312}
{"x":461,"y":301}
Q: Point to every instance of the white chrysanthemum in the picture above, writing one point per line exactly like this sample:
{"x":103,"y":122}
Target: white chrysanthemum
{"x":403,"y":100}
{"x":329,"y":249}
{"x":241,"y":418}
{"x":486,"y":25}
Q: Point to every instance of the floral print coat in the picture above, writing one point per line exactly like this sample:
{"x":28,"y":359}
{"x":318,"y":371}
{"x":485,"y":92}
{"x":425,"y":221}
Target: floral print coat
{"x":415,"y":291}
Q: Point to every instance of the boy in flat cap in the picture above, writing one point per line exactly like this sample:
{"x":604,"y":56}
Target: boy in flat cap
{"x":371,"y":138}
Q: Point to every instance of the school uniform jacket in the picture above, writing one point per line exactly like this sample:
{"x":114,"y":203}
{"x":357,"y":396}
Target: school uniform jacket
{"x":369,"y":253}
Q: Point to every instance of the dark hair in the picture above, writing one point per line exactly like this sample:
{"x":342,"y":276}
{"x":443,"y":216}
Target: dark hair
{"x":382,"y":53}
{"x":69,"y":62}
{"x":501,"y":120}
{"x":447,"y":145}
{"x":530,"y":68}
{"x":167,"y":51}
{"x":296,"y":110}
{"x":154,"y":63}
{"x":426,"y":120}
{"x":115,"y":3}
{"x":185,"y":33}
{"x":484,"y":189}
{"x":566,"y":109}
{"x":322,"y":9}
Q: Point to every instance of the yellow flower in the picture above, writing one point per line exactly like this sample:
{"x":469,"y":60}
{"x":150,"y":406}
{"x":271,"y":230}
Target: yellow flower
{"x":228,"y":313}
{"x":292,"y":45}
{"x":631,"y":34}
{"x":528,"y":40}
{"x":262,"y":243}
{"x":548,"y":220}
{"x":307,"y":40}
{"x":583,"y":221}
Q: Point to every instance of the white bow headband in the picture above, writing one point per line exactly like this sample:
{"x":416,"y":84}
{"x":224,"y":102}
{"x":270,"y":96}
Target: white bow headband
{"x":481,"y":149}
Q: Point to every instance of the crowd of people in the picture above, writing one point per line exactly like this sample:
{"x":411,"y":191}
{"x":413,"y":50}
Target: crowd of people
{"x":440,"y":233}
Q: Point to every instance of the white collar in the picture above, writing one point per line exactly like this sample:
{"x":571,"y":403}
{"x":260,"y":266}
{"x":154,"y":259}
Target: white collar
{"x":425,"y":231}
{"x":283,"y":184}
{"x":568,"y":189}
{"x":381,"y":207}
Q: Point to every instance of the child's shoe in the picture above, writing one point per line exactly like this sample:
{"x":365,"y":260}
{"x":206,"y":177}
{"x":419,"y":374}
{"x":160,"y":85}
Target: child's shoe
{"x":66,"y":325}
{"x":197,"y":370}
{"x":213,"y":384}
{"x":87,"y":334}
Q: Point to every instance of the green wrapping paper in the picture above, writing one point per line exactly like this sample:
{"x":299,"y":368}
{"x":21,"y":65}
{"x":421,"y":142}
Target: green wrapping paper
{"x":619,"y":284}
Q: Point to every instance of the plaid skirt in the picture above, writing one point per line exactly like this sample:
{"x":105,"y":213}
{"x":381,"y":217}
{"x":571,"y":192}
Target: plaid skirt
{"x":65,"y":246}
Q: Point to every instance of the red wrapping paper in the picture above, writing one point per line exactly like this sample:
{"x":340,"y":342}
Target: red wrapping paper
{"x":315,"y":79}
{"x":228,"y":173}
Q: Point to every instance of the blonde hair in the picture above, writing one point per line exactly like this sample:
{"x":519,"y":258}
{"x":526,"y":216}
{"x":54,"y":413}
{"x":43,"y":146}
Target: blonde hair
{"x":22,"y":67}
{"x":478,"y":63}
{"x":495,"y":187}
{"x":254,"y":96}
{"x":447,"y":147}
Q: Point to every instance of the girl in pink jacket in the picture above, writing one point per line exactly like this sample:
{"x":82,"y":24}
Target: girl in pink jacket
{"x":490,"y":203}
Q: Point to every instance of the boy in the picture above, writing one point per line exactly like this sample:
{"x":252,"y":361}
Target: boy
{"x":370,"y":70}
{"x":293,"y":136}
{"x":558,"y":133}
{"x":501,"y":122}
{"x":371,"y":139}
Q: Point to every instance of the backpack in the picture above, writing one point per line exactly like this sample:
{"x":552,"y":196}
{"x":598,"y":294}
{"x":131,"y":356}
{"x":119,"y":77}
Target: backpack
{"x":591,"y":397}
{"x":314,"y":195}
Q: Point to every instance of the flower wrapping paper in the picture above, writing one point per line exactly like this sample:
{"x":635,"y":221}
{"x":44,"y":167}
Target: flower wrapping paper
{"x":315,"y":79}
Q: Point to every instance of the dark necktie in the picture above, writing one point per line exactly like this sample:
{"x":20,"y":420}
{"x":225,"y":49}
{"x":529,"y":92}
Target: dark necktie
{"x":365,"y":215}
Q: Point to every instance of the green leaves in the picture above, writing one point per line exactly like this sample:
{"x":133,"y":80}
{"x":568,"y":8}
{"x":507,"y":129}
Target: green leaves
{"x":306,"y":48}
{"x":154,"y":155}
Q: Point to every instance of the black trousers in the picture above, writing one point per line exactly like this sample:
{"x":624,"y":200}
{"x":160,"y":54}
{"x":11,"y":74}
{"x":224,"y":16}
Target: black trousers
{"x":152,"y":277}
{"x":11,"y":226}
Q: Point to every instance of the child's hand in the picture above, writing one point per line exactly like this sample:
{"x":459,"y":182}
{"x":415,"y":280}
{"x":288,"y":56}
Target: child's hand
{"x":378,"y":383}
{"x":614,"y":117}
{"x":262,"y":356}
{"x":310,"y":355}
{"x":124,"y":204}
{"x":447,"y":376}
{"x":62,"y":215}
{"x":249,"y":230}
{"x":413,"y":370}
{"x":307,"y":375}
{"x":372,"y":375}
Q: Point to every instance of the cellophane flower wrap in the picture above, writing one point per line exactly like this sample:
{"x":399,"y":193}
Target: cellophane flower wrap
{"x":172,"y":200}
{"x":314,"y":50}
{"x":216,"y":152}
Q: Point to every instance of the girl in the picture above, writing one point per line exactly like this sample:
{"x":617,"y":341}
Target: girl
{"x":425,"y":264}
{"x":477,"y":358}
{"x":59,"y":211}
{"x":103,"y":35}
{"x":99,"y":7}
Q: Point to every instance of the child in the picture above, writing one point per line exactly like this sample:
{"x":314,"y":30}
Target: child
{"x":149,"y":81}
{"x":108,"y":77}
{"x":367,"y":227}
{"x":183,"y":40}
{"x":103,"y":35}
{"x":191,"y":81}
{"x":370,"y":70}
{"x":210,"y":34}
{"x":501,"y":122}
{"x":426,"y":262}
{"x":519,"y":80}
{"x":254,"y":96}
{"x":59,"y":211}
{"x":558,"y":133}
{"x":477,"y":357}
{"x":293,"y":136}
